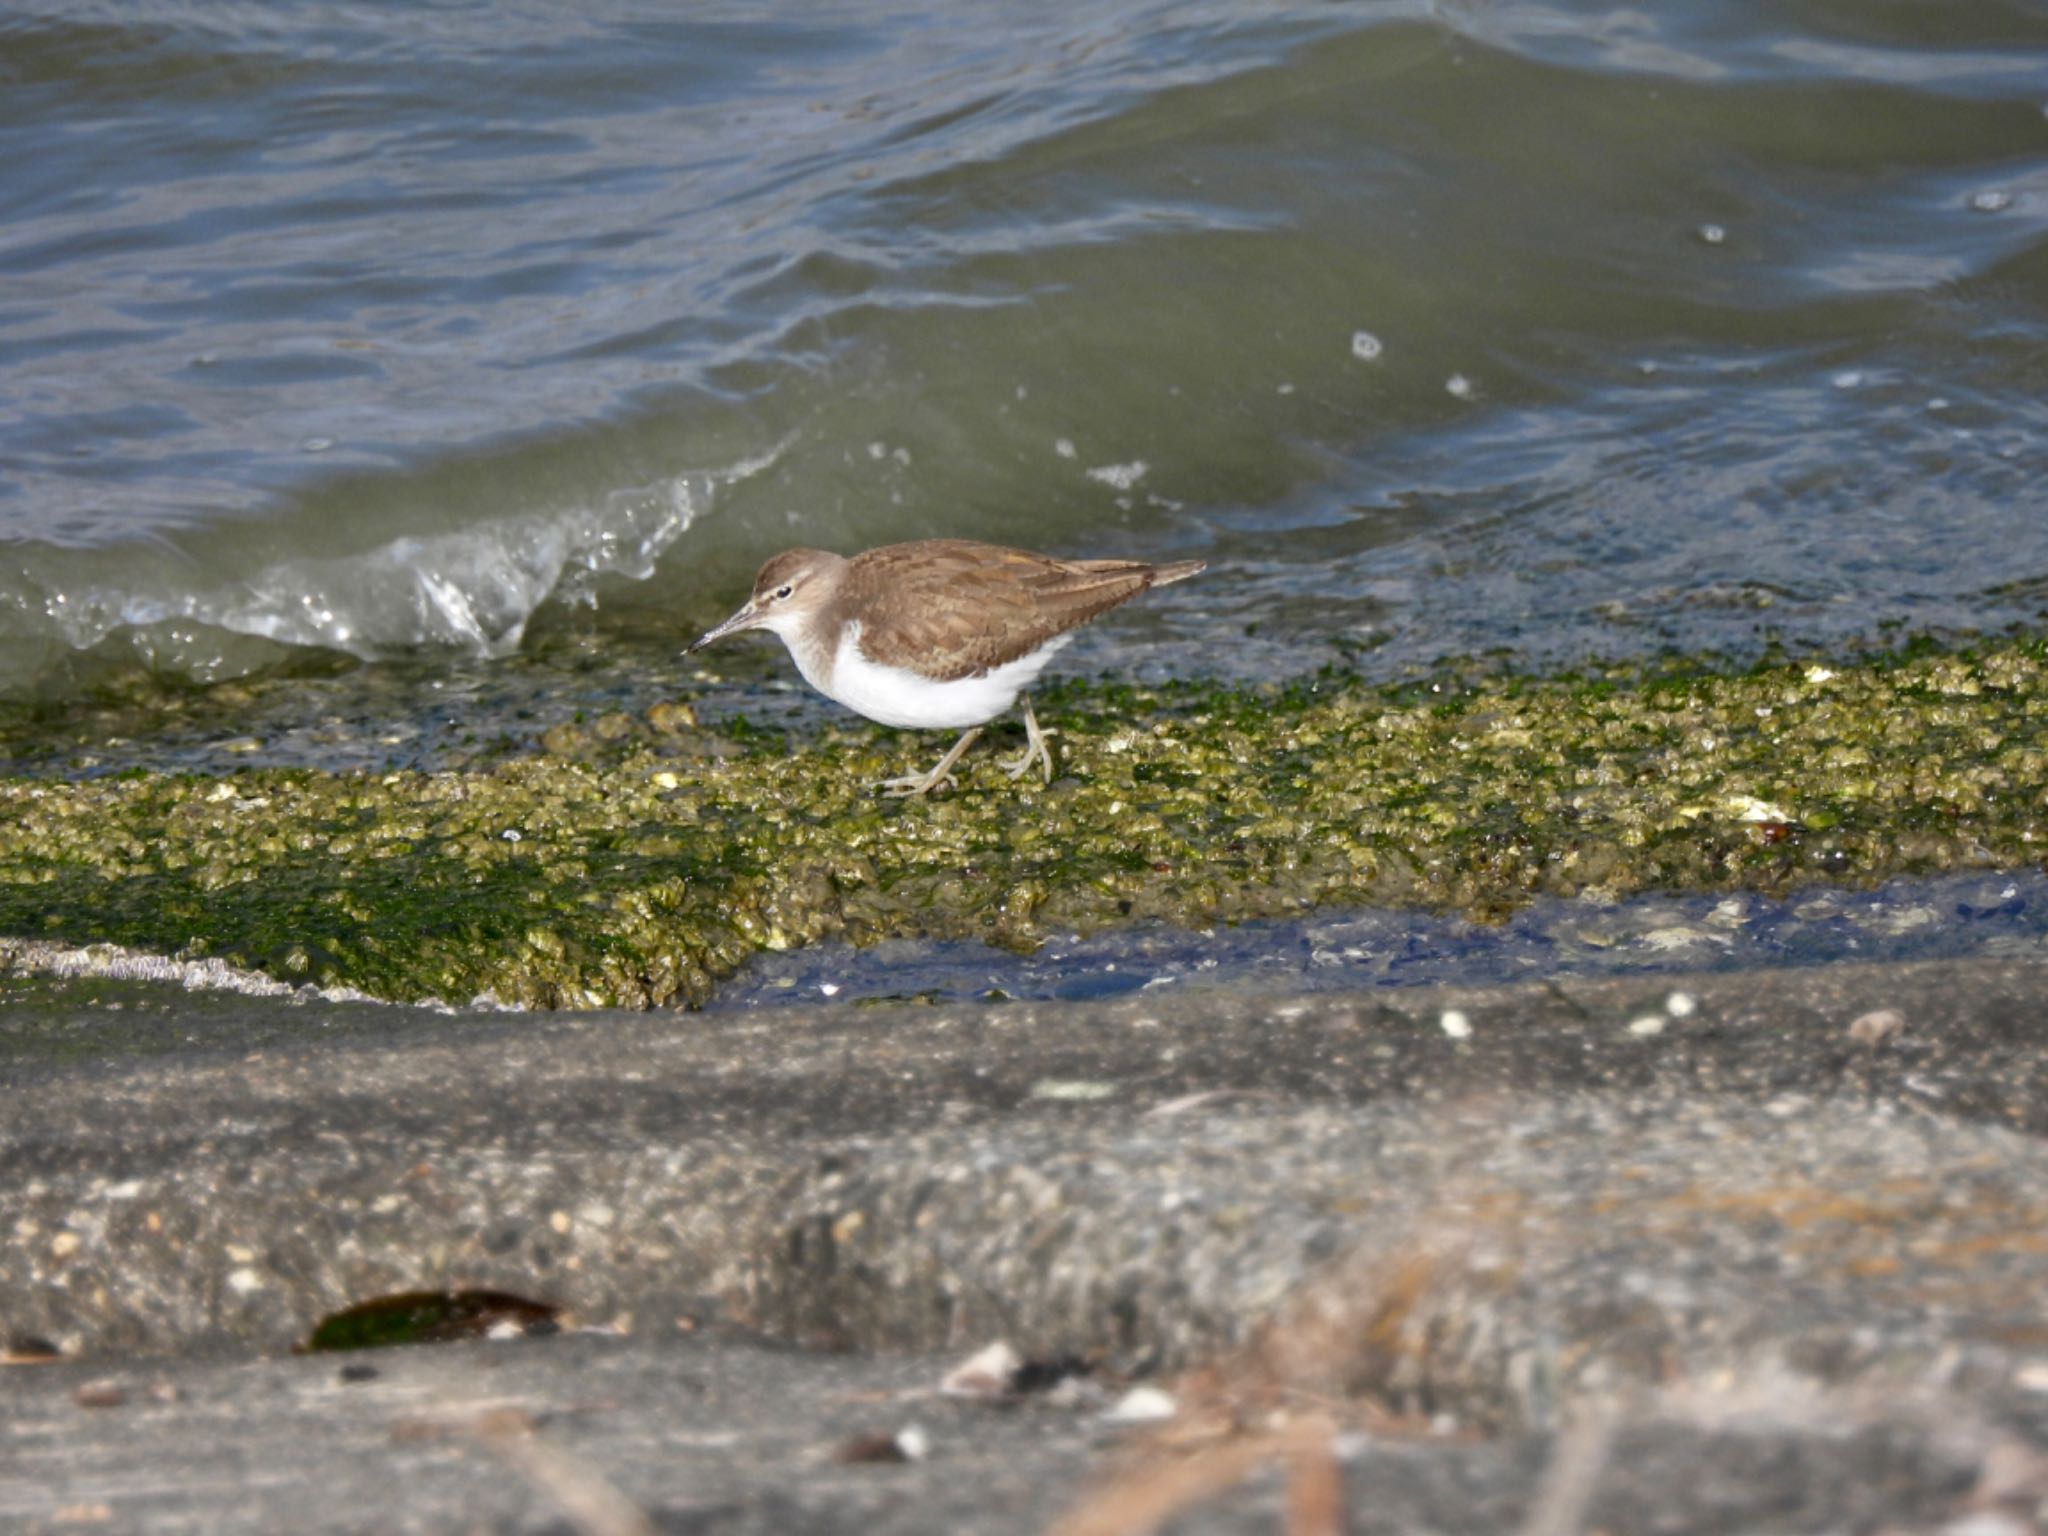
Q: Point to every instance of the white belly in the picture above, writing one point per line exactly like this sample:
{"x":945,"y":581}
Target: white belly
{"x":896,"y":696}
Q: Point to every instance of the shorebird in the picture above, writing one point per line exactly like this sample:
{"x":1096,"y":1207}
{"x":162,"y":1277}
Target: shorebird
{"x":936,"y":633}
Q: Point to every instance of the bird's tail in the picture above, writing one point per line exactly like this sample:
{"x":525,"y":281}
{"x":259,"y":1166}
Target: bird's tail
{"x":1177,"y":570}
{"x":1152,"y":575}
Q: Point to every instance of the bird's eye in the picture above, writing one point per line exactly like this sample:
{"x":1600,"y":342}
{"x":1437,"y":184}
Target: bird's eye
{"x":783,"y":590}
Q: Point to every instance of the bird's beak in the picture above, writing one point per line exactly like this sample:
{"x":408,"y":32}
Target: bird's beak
{"x":746,"y":618}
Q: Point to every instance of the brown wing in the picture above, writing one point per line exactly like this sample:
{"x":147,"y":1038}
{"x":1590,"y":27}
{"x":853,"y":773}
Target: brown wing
{"x":952,"y":608}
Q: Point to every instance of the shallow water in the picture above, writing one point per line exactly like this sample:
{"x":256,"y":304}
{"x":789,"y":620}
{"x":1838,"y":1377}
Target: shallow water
{"x":1947,"y":918}
{"x":443,"y":333}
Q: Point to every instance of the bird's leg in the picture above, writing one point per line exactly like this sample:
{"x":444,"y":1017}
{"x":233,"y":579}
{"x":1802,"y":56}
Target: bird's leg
{"x":1035,"y":750}
{"x":915,"y":784}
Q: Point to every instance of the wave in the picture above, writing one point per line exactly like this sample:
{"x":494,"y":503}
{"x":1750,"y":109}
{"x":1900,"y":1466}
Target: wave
{"x":468,"y":590}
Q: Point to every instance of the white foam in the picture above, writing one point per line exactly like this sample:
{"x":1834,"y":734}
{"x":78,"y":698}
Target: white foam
{"x":471,"y":589}
{"x":1120,"y":476}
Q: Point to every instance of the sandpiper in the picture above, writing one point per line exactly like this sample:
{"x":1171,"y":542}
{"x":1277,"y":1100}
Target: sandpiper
{"x":936,"y":633}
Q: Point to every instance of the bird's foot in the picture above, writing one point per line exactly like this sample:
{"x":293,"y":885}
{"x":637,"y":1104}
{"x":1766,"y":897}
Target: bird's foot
{"x":914,"y":784}
{"x":1037,"y":752}
{"x":923,"y":783}
{"x":1035,"y":749}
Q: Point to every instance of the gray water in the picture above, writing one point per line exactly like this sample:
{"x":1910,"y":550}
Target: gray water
{"x":461,"y":333}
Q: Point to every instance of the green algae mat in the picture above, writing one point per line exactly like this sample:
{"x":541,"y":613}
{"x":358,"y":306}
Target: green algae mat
{"x":646,"y":874}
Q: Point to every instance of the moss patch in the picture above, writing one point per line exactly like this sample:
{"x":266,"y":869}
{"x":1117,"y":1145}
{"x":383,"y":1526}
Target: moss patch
{"x":638,"y":867}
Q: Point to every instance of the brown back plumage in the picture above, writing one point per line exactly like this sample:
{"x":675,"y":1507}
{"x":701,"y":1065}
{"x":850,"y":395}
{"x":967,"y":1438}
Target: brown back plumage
{"x":952,"y":608}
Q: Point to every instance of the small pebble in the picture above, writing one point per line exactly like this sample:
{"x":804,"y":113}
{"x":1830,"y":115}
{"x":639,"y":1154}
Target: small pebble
{"x":99,"y":1394}
{"x":907,"y":1444}
{"x":988,"y":1372}
{"x":1876,"y":1027}
{"x":1649,"y":1024}
{"x":1071,"y":1090}
{"x":1455,"y":1024}
{"x":1142,"y":1405}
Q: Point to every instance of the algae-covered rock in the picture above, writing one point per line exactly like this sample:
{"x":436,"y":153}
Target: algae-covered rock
{"x":638,"y":868}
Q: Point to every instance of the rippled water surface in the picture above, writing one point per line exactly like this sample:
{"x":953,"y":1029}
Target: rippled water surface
{"x":444,"y":333}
